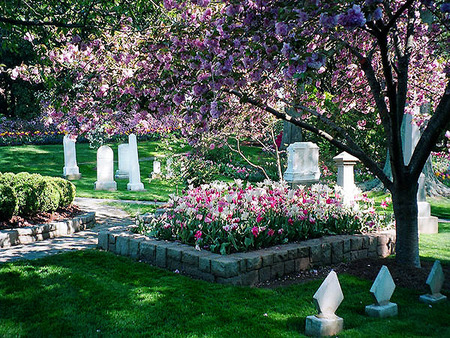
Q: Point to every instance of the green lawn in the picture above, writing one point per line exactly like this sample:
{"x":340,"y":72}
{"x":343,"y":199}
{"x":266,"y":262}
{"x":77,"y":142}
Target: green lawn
{"x":95,"y":293}
{"x":49,"y":160}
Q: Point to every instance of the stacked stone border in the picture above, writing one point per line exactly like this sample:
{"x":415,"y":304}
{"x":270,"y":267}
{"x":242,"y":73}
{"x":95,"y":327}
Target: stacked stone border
{"x":36,"y":233}
{"x":248,"y":268}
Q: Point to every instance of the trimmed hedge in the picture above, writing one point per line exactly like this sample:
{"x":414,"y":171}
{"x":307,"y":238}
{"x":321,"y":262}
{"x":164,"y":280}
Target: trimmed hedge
{"x":8,"y":202}
{"x":35,"y":193}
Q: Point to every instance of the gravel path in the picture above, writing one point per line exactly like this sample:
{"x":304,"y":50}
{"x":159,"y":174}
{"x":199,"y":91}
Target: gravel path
{"x":107,"y":217}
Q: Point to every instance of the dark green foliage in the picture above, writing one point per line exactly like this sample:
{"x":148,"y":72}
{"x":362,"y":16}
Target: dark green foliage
{"x":8,"y":202}
{"x":67,"y":191}
{"x":35,"y":193}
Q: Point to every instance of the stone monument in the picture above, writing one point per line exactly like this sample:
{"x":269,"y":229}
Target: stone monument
{"x":303,"y":164}
{"x":435,"y":281}
{"x":124,"y":161}
{"x":326,"y":299}
{"x":382,"y":289}
{"x":291,"y":132}
{"x":105,"y":169}
{"x":156,"y":173}
{"x":169,"y":170}
{"x":135,"y":183}
{"x":345,"y":176}
{"x":70,"y":170}
{"x":427,"y":224}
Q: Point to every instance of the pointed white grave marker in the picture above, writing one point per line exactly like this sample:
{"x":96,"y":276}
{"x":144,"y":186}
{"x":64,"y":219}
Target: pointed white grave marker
{"x":326,"y":299}
{"x":382,"y":289}
{"x":135,"y":183}
{"x":435,"y":281}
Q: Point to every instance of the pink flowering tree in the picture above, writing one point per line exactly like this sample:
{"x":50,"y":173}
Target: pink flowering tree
{"x":347,"y":67}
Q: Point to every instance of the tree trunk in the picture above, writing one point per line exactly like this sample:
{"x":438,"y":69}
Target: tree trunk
{"x":404,"y":199}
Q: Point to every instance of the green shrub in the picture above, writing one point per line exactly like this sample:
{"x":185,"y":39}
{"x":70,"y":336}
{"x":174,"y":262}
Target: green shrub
{"x":8,"y":202}
{"x":67,"y":191}
{"x":7,"y":179}
{"x":35,"y":193}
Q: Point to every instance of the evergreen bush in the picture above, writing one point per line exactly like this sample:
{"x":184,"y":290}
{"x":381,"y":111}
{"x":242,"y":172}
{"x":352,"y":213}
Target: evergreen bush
{"x":8,"y":202}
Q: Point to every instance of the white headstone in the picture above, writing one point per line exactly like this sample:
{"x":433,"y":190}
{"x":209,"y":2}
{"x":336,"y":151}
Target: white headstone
{"x":326,"y":299}
{"x":135,"y":183}
{"x":124,"y":161}
{"x":411,"y":137}
{"x":169,"y":171}
{"x":105,"y":169}
{"x":435,"y":281}
{"x":70,"y":170}
{"x":156,"y":167}
{"x":345,"y":176}
{"x":382,"y":289}
{"x":303,"y":164}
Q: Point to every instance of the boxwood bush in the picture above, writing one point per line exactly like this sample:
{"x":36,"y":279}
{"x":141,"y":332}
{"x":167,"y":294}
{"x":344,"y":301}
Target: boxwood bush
{"x":8,"y":202}
{"x":34,"y":193}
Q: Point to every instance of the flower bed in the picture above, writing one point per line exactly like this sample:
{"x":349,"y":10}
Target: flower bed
{"x":226,"y":218}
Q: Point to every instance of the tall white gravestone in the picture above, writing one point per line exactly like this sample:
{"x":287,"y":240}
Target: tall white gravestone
{"x":135,"y":183}
{"x":303,"y":164}
{"x":427,"y":224}
{"x":382,"y":289}
{"x":326,"y":299}
{"x":345,"y":176}
{"x":124,"y":161}
{"x":105,"y":169}
{"x":435,"y":281}
{"x":70,"y":170}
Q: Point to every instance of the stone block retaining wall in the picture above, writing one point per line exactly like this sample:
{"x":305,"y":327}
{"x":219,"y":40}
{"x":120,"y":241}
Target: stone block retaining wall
{"x":51,"y":230}
{"x":251,"y":267}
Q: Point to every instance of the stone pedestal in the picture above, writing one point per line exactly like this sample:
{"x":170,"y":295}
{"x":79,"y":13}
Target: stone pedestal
{"x":303,"y":164}
{"x":345,"y":176}
{"x":382,"y":311}
{"x":70,"y":170}
{"x":433,"y":299}
{"x":316,"y":326}
{"x":124,"y":162}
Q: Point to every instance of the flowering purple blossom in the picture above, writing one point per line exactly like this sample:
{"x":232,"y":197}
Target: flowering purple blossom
{"x":377,"y":14}
{"x":353,"y":18}
{"x":281,"y":29}
{"x":445,"y":7}
{"x":328,"y":21}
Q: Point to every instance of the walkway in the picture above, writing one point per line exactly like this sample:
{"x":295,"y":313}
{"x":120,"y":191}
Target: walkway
{"x":107,"y":217}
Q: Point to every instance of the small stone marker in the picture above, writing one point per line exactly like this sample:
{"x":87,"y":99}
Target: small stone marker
{"x":435,"y":281}
{"x":382,"y":289}
{"x":124,"y":162}
{"x":135,"y":183}
{"x":345,"y":175}
{"x":303,"y":164}
{"x":70,"y":170}
{"x":105,"y":169}
{"x":169,"y":171}
{"x":156,"y":169}
{"x":326,"y":299}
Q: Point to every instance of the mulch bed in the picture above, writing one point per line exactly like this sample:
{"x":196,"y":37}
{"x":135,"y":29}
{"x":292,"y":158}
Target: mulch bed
{"x":407,"y":277}
{"x":41,"y":218}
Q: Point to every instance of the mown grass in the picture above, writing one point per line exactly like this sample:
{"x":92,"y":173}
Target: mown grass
{"x":94,"y":293}
{"x":436,"y":246}
{"x":49,"y":160}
